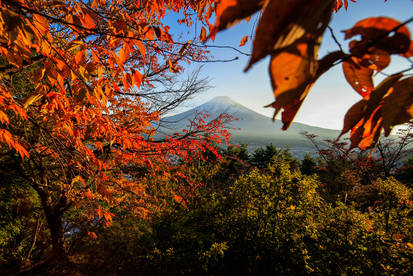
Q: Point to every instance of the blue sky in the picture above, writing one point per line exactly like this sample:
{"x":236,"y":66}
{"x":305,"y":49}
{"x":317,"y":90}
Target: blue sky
{"x":330,"y":97}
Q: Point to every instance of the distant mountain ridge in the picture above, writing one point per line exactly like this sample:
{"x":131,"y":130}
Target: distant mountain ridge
{"x":255,"y":129}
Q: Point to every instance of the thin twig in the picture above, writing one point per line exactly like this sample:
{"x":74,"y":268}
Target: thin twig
{"x":335,"y":38}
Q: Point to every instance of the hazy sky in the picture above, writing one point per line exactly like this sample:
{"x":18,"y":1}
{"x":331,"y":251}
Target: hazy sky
{"x":330,"y":97}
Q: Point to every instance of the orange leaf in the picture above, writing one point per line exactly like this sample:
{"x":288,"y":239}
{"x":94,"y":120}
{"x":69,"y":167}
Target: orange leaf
{"x":87,"y":19}
{"x":244,"y":40}
{"x":293,"y":85}
{"x":370,"y":29}
{"x":149,"y":33}
{"x":21,"y":150}
{"x":339,"y":4}
{"x":41,"y":24}
{"x":353,"y":116}
{"x":365,"y":117}
{"x":6,"y":137}
{"x":126,"y":81}
{"x":137,"y":78}
{"x":80,"y":57}
{"x":172,"y":68}
{"x":358,"y":76}
{"x":124,"y":53}
{"x":398,"y":106}
{"x":291,"y":77}
{"x":293,"y":39}
{"x":285,"y":23}
{"x":140,"y":47}
{"x":4,"y":118}
{"x":99,"y":212}
{"x":372,"y":129}
{"x":229,"y":12}
{"x":183,"y":48}
{"x":12,"y":23}
{"x":203,"y":34}
{"x":92,"y":235}
{"x":31,"y":99}
{"x":88,"y":194}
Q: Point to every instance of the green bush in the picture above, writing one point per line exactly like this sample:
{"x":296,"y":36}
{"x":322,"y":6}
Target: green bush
{"x":268,"y":222}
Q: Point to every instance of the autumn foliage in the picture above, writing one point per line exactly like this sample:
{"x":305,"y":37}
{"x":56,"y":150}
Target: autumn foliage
{"x":291,"y":32}
{"x":79,"y":98}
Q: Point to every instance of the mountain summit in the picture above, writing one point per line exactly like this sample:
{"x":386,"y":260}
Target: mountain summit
{"x":251,"y":127}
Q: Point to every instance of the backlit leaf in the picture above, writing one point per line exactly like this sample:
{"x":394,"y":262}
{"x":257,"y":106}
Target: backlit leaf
{"x":291,"y":77}
{"x":380,"y":30}
{"x":141,"y":48}
{"x":358,"y":76}
{"x":31,"y":99}
{"x":92,"y":235}
{"x":364,"y":118}
{"x":202,"y":36}
{"x":80,"y":57}
{"x":41,"y":23}
{"x":21,"y":150}
{"x":137,"y":78}
{"x":398,"y":106}
{"x":354,"y":115}
{"x":229,"y":12}
{"x":124,"y":53}
{"x":86,"y":19}
{"x":285,"y":23}
{"x":172,"y":68}
{"x":294,"y":41}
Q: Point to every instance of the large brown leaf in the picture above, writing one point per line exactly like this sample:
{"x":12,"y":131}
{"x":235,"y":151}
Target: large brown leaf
{"x":290,"y":31}
{"x":288,"y":22}
{"x":364,"y":118}
{"x":378,"y":32}
{"x":358,"y":76}
{"x":292,"y":75}
{"x":398,"y":106}
{"x":295,"y":42}
{"x":354,"y":116}
{"x":409,"y":52}
{"x":229,"y":12}
{"x":375,"y":59}
{"x":291,"y":85}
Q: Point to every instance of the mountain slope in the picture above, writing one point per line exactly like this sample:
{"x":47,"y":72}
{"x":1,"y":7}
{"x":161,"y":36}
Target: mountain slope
{"x":251,"y":127}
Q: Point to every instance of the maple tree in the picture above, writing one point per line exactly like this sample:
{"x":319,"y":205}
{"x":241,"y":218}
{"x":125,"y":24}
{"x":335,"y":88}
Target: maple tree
{"x":80,"y":88}
{"x":290,"y":32}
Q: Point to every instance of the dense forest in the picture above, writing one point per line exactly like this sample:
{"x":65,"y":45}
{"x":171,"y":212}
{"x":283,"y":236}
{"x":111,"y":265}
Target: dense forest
{"x":90,"y":186}
{"x":260,"y":213}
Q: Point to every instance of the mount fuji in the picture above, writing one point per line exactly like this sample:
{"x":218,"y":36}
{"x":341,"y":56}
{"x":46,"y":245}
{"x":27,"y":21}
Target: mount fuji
{"x":251,"y":128}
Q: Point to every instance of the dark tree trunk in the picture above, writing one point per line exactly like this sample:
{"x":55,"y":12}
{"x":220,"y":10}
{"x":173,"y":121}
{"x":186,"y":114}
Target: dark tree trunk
{"x":54,"y":217}
{"x":54,"y":211}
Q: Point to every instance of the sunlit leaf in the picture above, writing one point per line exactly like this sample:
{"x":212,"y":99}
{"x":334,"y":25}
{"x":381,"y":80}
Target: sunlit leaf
{"x":124,"y":53}
{"x":202,"y":36}
{"x":31,"y":100}
{"x":244,"y":40}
